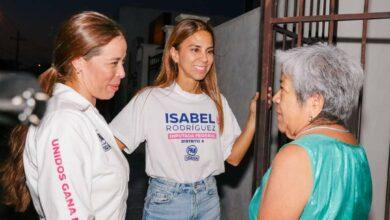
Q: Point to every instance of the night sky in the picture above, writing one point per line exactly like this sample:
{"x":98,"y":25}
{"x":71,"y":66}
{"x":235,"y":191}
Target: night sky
{"x":37,"y":20}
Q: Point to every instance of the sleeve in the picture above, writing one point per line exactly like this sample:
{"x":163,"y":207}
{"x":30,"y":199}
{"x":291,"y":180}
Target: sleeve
{"x":231,"y":129}
{"x":65,"y":167}
{"x":129,"y":125}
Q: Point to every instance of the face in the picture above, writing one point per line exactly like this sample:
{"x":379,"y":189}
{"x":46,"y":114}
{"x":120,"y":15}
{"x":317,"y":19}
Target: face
{"x":292,"y":115}
{"x":194,"y":56}
{"x":99,"y":77}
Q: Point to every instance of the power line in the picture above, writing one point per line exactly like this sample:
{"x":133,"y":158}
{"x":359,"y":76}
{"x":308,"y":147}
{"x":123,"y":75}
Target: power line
{"x":4,"y":17}
{"x":18,"y":39}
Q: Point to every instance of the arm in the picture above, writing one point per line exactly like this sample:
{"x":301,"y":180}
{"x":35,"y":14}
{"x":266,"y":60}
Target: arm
{"x":65,"y":167}
{"x":128,"y":126}
{"x":289,"y":185}
{"x":121,"y":145}
{"x":242,"y":143}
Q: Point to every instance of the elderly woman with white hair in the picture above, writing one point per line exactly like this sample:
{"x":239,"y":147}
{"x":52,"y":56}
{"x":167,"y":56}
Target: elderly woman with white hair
{"x":323,"y":173}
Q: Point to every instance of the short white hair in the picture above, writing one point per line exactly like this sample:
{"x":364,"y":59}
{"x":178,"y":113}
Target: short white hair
{"x":325,"y":70}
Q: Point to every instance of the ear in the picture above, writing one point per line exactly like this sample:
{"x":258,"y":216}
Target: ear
{"x":174,"y":54}
{"x":78,"y":64}
{"x":316,"y":104}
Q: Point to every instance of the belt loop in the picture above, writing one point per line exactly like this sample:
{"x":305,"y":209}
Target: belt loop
{"x":209,"y":182}
{"x":177,"y":188}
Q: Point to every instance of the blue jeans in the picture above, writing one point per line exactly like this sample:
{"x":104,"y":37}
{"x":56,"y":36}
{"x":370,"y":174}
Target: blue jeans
{"x":182,"y":201}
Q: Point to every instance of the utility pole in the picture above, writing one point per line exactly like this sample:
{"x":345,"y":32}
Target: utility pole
{"x":18,"y":39}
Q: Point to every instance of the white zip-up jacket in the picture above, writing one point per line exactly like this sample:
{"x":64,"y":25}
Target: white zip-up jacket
{"x":73,"y":166}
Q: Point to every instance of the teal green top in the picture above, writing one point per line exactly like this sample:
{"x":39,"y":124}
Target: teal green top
{"x":342,"y":187}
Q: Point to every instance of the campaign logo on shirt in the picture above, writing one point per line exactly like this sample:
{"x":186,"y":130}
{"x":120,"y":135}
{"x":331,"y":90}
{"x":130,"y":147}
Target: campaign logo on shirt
{"x":191,"y":151}
{"x":190,"y":126}
{"x":106,"y":147}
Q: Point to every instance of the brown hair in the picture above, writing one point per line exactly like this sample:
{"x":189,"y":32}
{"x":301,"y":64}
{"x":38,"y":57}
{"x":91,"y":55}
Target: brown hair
{"x":82,"y":35}
{"x":169,"y":69}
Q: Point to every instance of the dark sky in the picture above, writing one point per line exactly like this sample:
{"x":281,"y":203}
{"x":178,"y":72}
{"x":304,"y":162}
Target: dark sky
{"x":37,"y":20}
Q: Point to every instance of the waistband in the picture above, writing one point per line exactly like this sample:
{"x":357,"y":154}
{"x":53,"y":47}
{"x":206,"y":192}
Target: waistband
{"x":162,"y":183}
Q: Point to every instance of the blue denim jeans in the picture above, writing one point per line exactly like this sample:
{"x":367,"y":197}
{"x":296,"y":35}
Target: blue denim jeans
{"x":166,"y":200}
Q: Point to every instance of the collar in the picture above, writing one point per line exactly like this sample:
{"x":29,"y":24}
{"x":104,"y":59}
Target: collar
{"x":176,"y":87}
{"x":70,"y":95}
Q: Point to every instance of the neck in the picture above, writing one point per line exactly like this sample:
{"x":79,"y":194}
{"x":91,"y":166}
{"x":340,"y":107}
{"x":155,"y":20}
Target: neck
{"x":311,"y":128}
{"x":188,"y":85}
{"x":83,"y":92}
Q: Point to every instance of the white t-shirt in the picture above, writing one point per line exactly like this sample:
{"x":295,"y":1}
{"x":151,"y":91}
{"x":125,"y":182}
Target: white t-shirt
{"x":183,"y":142}
{"x":73,"y":166}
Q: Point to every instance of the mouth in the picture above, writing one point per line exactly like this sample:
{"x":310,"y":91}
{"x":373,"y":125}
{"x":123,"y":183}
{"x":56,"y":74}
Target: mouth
{"x":201,"y":68}
{"x":114,"y":87}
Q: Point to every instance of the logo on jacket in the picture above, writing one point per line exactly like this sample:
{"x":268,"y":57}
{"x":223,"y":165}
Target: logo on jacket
{"x":106,"y":147}
{"x":191,"y":151}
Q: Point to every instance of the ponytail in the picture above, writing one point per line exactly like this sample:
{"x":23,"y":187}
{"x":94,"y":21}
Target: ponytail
{"x":48,"y":78}
{"x":13,"y":178}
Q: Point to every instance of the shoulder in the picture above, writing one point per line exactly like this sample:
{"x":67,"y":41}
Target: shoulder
{"x":224,"y":101}
{"x":291,"y":168}
{"x":291,"y":157}
{"x":223,"y":98}
{"x":289,"y":185}
{"x":65,"y":118}
{"x":70,"y":126}
{"x":144,"y":94}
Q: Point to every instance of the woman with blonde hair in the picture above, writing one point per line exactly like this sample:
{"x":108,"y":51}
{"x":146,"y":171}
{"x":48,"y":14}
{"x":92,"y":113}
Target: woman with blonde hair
{"x":188,"y":127}
{"x":70,"y":165}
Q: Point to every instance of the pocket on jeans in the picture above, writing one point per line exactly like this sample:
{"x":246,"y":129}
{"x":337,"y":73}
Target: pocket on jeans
{"x":161,"y":197}
{"x":212,"y":191}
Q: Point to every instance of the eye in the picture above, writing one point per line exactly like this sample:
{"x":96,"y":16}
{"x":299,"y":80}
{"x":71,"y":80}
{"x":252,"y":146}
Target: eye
{"x":210,"y":52}
{"x":195,"y":50}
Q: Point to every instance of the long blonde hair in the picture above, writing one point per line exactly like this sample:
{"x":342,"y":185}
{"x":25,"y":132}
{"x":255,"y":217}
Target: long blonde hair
{"x":169,"y":69}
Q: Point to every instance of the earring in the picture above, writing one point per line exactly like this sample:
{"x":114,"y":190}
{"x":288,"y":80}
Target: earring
{"x":311,"y":119}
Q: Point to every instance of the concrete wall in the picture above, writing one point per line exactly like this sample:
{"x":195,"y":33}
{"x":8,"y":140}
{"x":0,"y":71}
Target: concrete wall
{"x":236,"y":58}
{"x":375,"y":129}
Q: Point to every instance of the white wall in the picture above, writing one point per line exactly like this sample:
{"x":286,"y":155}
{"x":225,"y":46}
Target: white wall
{"x":237,"y":48}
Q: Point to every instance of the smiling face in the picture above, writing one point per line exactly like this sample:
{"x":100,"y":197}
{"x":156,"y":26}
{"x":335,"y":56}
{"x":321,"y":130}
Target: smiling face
{"x":293,"y":116}
{"x":194,"y":56}
{"x":99,"y":77}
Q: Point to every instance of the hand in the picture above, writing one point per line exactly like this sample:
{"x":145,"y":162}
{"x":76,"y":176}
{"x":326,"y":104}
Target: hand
{"x":253,"y":105}
{"x":269,"y":97}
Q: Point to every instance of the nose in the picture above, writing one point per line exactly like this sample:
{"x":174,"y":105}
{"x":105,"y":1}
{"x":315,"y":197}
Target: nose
{"x":276,"y":98}
{"x":204,"y":57}
{"x":121,"y":72}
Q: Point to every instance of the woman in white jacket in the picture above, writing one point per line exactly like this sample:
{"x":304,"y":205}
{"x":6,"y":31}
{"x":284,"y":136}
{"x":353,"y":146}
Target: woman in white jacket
{"x":70,"y":165}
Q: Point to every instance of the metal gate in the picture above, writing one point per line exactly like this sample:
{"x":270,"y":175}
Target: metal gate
{"x":322,"y":17}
